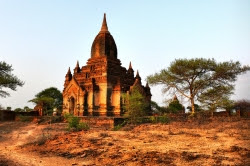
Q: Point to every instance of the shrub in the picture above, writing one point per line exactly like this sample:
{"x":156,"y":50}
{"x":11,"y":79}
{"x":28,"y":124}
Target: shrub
{"x":75,"y":124}
{"x":83,"y":126}
{"x":159,"y":119}
{"x":25,"y":118}
{"x":163,"y":119}
{"x":42,"y":139}
{"x":119,"y":126}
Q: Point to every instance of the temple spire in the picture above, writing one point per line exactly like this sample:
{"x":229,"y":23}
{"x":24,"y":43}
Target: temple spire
{"x":77,"y":64}
{"x":104,"y":24}
{"x":68,"y":78}
{"x":175,"y":98}
{"x":69,"y":72}
{"x":130,"y":71}
{"x":130,"y":65}
{"x":137,"y":75}
{"x":77,"y":68}
{"x":68,"y":75}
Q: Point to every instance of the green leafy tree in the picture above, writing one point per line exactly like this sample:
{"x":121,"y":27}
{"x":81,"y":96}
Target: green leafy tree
{"x":217,"y":97}
{"x":49,"y":98}
{"x":8,"y":108}
{"x":46,"y":103}
{"x":135,"y":105}
{"x":26,"y":109}
{"x":158,"y":109}
{"x":7,"y":79}
{"x":196,"y":107}
{"x":18,"y":110}
{"x":175,"y":107}
{"x":193,"y":77}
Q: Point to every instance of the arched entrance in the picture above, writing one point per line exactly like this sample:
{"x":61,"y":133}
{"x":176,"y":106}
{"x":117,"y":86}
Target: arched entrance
{"x":71,"y":105}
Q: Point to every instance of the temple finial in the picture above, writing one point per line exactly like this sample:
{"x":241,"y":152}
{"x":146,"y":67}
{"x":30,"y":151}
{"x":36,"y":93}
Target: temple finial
{"x":137,"y":74}
{"x":77,"y":68}
{"x":104,"y":24}
{"x":69,"y":72}
{"x":175,"y":98}
{"x":77,"y":64}
{"x":130,"y":65}
{"x":147,"y":86}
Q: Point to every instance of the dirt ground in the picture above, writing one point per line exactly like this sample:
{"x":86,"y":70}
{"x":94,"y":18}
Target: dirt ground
{"x":217,"y":142}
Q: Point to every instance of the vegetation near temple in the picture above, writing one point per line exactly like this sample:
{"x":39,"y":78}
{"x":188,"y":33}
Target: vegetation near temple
{"x":217,"y":97}
{"x":201,"y":79}
{"x":135,"y":105}
{"x":48,"y":99}
{"x":7,"y":79}
{"x":175,"y":106}
{"x":156,"y":109}
{"x":74,"y":123}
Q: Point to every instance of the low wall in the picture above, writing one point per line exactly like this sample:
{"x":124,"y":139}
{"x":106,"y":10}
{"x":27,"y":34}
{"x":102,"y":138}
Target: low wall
{"x":6,"y":115}
{"x":221,"y":114}
{"x":245,"y":113}
{"x":101,"y":121}
{"x":31,"y":113}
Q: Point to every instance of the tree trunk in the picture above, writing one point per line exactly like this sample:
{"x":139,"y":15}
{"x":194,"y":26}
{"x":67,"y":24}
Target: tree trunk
{"x":192,"y":105}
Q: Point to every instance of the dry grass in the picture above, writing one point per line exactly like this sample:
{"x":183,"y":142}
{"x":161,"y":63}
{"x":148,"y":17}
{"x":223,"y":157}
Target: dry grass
{"x":217,"y":142}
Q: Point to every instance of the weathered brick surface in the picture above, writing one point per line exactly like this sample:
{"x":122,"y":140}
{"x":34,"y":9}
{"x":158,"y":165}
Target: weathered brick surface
{"x":96,"y":88}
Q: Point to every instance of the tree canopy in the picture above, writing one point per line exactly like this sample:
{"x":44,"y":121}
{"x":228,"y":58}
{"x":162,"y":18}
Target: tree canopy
{"x":175,"y":107}
{"x":196,"y":77}
{"x":7,"y":79}
{"x":49,"y":98}
{"x":156,"y":109}
{"x":135,"y":105}
{"x":217,"y":97}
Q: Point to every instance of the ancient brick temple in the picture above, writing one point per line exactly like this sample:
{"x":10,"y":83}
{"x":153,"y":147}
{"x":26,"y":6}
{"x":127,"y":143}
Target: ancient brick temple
{"x":96,"y":89}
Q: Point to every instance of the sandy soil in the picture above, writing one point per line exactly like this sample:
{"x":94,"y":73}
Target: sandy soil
{"x":218,"y":142}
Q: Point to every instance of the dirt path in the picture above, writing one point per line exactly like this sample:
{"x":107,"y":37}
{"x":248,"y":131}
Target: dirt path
{"x":178,"y":143}
{"x":14,"y":135}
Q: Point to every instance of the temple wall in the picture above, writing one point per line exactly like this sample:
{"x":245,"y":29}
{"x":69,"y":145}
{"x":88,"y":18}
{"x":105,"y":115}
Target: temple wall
{"x":65,"y":105}
{"x":96,"y":98}
{"x":116,"y":101}
{"x":103,"y":98}
{"x":90,"y":102}
{"x":81,"y":104}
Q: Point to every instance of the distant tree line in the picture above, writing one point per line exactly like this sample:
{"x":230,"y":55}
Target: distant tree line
{"x":206,"y":83}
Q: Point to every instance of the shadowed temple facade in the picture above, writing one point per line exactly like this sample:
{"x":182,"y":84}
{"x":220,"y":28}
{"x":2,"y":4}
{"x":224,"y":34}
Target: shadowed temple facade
{"x":97,"y":87}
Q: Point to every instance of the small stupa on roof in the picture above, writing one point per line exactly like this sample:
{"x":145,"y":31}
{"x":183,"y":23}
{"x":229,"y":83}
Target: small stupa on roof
{"x":96,"y":88}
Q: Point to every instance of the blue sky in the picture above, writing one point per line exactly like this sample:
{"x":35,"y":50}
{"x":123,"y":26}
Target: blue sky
{"x":42,"y":38}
